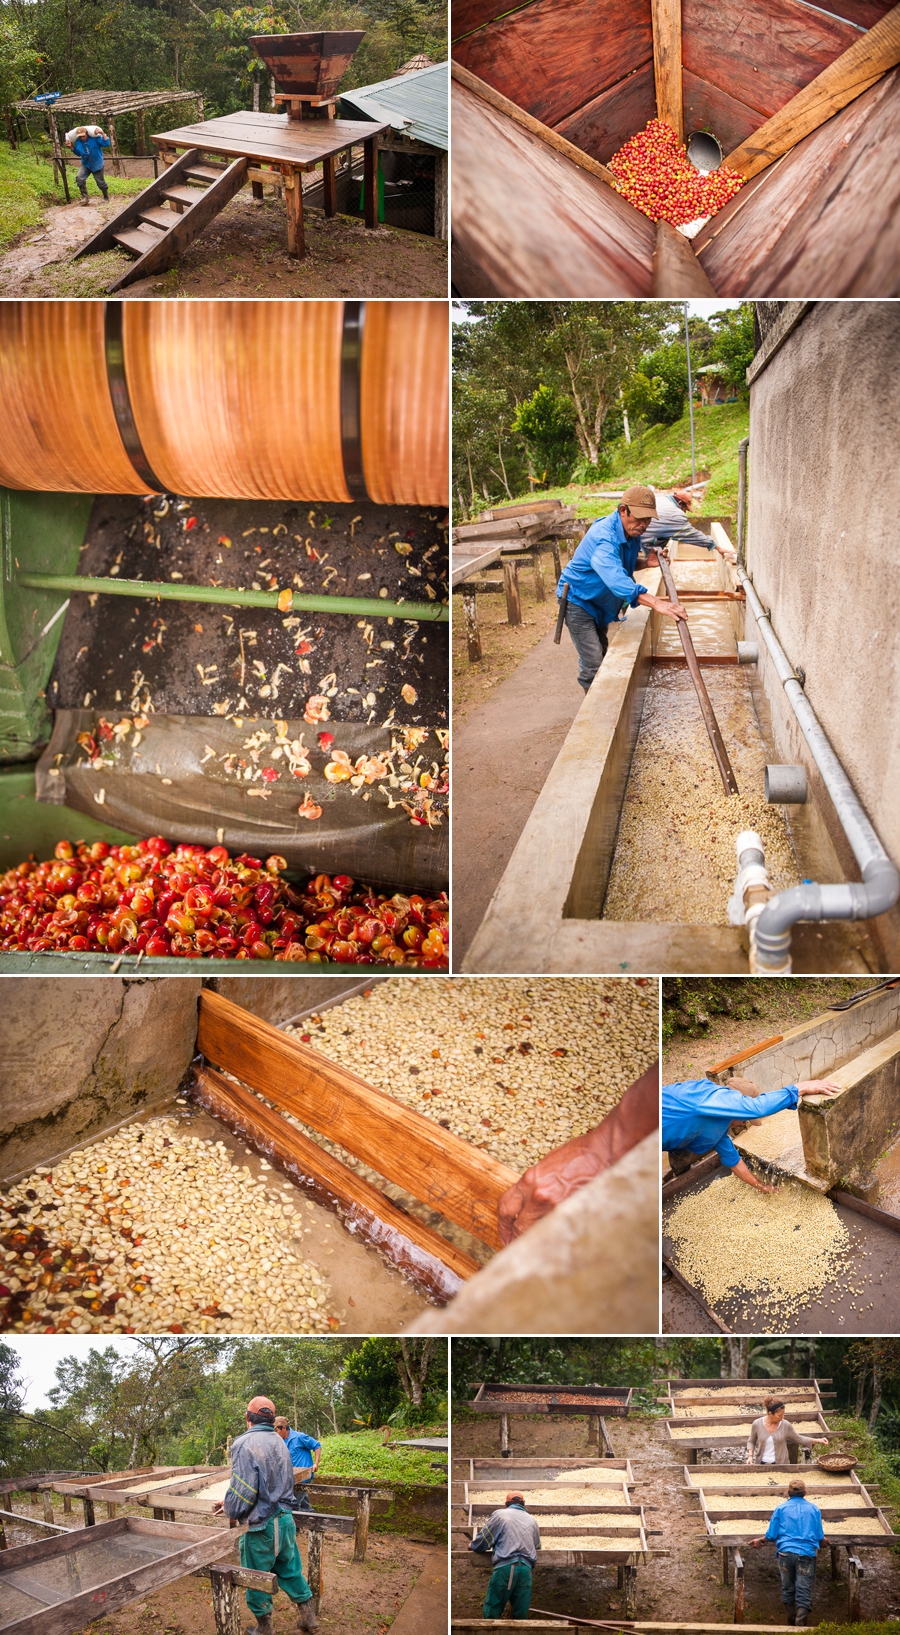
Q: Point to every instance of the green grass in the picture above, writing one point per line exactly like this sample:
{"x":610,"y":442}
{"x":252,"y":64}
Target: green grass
{"x":26,"y":189}
{"x":875,"y":1465}
{"x":663,"y":459}
{"x":362,"y":1456}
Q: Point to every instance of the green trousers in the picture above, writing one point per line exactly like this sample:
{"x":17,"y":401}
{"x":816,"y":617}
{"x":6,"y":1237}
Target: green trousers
{"x":500,"y":1590}
{"x":273,"y":1549}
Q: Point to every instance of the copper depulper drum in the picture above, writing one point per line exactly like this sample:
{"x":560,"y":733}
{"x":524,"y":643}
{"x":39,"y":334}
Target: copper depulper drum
{"x":292,"y":400}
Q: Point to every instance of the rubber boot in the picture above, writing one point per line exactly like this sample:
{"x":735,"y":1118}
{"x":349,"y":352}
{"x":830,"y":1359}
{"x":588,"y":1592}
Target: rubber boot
{"x":307,"y":1615}
{"x":801,"y":1617}
{"x":791,"y":1614}
{"x":263,"y":1626}
{"x":83,"y":199}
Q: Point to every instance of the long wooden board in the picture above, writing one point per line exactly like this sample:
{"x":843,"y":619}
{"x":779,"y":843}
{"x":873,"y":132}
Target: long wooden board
{"x":667,"y":63}
{"x":550,"y":56}
{"x":437,"y":1167}
{"x":676,"y":270}
{"x":382,"y":1222}
{"x":553,"y":138}
{"x":531,"y":218}
{"x":861,"y":65}
{"x":271,"y":136}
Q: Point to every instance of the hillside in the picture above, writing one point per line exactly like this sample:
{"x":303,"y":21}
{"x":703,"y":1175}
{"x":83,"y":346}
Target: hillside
{"x":663,"y":459}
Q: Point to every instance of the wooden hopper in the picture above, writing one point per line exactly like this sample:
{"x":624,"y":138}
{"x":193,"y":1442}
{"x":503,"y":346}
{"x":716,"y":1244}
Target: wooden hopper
{"x":804,"y":101}
{"x":310,"y":65}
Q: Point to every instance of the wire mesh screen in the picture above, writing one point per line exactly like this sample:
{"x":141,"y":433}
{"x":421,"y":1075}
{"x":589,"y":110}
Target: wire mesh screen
{"x":406,"y":183}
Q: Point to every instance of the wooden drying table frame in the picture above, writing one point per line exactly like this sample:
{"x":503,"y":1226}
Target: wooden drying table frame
{"x":732,"y":1547}
{"x":598,"y":1436}
{"x":437,"y":1168}
{"x":279,"y":150}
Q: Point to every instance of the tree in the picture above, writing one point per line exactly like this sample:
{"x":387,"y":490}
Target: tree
{"x":881,"y":1359}
{"x":19,"y":62}
{"x":546,"y":424}
{"x":11,"y":1399}
{"x":372,"y":1372}
{"x":733,"y":344}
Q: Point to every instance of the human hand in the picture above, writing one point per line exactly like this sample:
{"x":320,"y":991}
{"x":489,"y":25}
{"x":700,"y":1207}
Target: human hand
{"x":745,"y":1173}
{"x":728,"y":552}
{"x":218,"y":1508}
{"x":669,"y":610}
{"x":756,"y":1542}
{"x":819,"y":1087}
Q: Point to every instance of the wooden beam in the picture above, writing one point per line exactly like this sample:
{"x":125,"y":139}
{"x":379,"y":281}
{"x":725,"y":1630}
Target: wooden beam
{"x":438,"y":1168}
{"x":332,"y":1181}
{"x":676,"y":270}
{"x":667,"y":68}
{"x":866,"y":61}
{"x":552,"y":138}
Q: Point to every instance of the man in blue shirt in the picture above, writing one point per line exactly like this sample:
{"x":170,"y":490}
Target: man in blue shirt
{"x":513,"y":1538}
{"x":89,"y":145}
{"x":601,"y":583}
{"x":796,"y":1530}
{"x":697,"y":1115}
{"x":305,"y":1454}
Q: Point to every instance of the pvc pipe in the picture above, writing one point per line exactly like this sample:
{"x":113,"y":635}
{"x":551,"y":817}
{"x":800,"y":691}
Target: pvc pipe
{"x":366,"y":607}
{"x":786,"y":785}
{"x":854,"y":900}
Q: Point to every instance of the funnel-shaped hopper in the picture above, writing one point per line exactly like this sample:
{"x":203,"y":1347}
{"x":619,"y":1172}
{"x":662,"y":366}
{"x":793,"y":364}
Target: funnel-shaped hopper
{"x":308,"y":64}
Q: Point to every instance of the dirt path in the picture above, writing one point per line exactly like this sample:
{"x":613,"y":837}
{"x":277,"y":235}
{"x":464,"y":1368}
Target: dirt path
{"x":242,"y":253}
{"x":685,"y":1582}
{"x":779,"y":1005}
{"x":359,"y":1599}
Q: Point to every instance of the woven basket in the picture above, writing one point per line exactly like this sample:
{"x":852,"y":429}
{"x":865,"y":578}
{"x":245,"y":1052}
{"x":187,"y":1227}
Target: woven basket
{"x":837,"y":1463}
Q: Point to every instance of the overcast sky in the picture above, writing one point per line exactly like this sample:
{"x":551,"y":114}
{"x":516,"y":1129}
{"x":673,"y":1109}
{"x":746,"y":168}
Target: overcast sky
{"x":39,"y":1354}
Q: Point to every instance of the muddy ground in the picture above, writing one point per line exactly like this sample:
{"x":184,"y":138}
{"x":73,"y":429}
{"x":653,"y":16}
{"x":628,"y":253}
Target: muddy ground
{"x":242,"y":253}
{"x":683,"y":1582}
{"x":359,"y":1599}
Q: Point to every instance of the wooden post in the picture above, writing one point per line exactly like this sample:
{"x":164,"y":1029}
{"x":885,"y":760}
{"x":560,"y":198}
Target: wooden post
{"x":538,"y":567}
{"x":630,"y":1591}
{"x":726,"y":1562}
{"x":593,"y":1430}
{"x":315,"y":1570}
{"x":88,"y":1510}
{"x":361,"y":1529}
{"x":511,"y":586}
{"x":557,"y":565}
{"x":199,"y":110}
{"x":114,"y":146}
{"x":112,"y":1510}
{"x":47,"y":1500}
{"x":293,"y":198}
{"x":329,"y":198}
{"x":667,"y":63}
{"x":620,"y":1576}
{"x":738,"y":1614}
{"x":167,"y":157}
{"x":141,"y":133}
{"x":226,"y":1599}
{"x":835,"y":1570}
{"x":855,"y":1579}
{"x":473,"y":634}
{"x":440,"y":196}
{"x":67,"y":1504}
{"x":370,"y":173}
{"x":256,"y":189}
{"x":3,"y":1543}
{"x":504,"y":1436}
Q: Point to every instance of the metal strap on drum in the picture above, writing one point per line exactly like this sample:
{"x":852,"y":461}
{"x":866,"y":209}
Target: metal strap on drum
{"x":121,"y":397}
{"x":351,"y":399}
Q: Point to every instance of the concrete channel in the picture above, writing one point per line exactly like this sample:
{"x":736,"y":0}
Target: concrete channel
{"x":628,"y":859}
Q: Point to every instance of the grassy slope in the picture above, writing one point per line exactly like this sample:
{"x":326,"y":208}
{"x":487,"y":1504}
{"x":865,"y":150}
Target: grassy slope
{"x":26,"y":188}
{"x":664,"y":460}
{"x":362,"y":1456}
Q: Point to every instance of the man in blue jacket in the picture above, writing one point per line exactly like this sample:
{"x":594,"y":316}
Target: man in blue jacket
{"x":89,"y":149}
{"x":796,"y":1530}
{"x":260,"y":1493}
{"x":514,"y":1538}
{"x":305,"y":1454}
{"x":697,"y":1115}
{"x":601,"y":583}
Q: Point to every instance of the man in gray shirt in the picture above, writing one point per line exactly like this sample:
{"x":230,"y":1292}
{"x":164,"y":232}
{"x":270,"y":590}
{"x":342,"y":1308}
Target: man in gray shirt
{"x":514,"y":1538}
{"x":670,"y":522}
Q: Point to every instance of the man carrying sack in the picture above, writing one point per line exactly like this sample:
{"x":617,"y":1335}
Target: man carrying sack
{"x":260,"y":1493}
{"x":88,"y":142}
{"x":514,"y":1538}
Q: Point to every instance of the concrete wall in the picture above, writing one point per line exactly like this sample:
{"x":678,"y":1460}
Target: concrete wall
{"x":824,"y":497}
{"x":81,"y":1056}
{"x":843,"y":1138}
{"x":815,"y":1048}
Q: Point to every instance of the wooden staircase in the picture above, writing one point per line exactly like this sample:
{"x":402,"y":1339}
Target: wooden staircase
{"x":159,"y":223}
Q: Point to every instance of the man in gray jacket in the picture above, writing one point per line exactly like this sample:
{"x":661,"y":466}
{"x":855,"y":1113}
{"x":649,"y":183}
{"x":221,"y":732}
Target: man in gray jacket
{"x":260,"y":1494}
{"x":670,"y":522}
{"x":514,"y":1538}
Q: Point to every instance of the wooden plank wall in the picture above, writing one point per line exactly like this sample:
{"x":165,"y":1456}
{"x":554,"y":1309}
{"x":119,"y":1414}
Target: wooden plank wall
{"x":825,"y":219}
{"x":535,"y":223}
{"x":578,"y":66}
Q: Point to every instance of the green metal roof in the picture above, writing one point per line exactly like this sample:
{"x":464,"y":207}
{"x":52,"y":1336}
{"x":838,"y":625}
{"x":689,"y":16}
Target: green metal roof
{"x":415,"y":103}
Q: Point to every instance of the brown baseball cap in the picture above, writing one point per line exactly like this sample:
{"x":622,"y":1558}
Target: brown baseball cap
{"x":256,"y":1403}
{"x":510,"y":1496}
{"x":641,"y":501}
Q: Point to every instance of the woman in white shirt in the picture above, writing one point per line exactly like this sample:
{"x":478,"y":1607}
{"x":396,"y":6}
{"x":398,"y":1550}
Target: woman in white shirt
{"x":771,"y":1437}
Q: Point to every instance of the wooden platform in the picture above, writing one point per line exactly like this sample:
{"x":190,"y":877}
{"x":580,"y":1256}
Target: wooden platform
{"x":285,"y":148}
